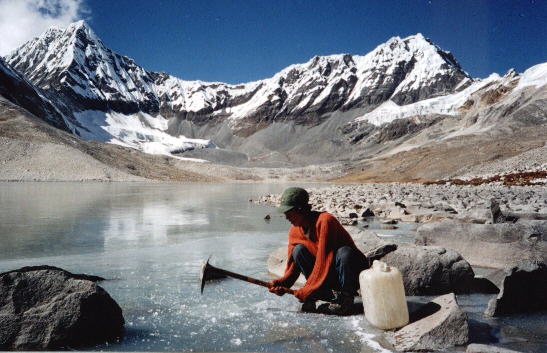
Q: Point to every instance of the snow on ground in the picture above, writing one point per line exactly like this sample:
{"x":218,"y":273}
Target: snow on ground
{"x":534,"y":76}
{"x":140,"y":131}
{"x":447,"y":105}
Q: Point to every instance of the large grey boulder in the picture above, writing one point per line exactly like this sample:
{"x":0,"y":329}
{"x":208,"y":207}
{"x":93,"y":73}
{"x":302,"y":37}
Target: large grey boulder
{"x":49,"y":308}
{"x":489,"y":245}
{"x":524,"y":289}
{"x":426,"y":270}
{"x":431,"y":270}
{"x":446,"y":327}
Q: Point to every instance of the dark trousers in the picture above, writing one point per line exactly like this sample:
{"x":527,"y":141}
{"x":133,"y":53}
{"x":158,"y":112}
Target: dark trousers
{"x":343,"y":274}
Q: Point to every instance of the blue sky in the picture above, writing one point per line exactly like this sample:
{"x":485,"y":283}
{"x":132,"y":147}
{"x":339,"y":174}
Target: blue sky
{"x":239,"y":41}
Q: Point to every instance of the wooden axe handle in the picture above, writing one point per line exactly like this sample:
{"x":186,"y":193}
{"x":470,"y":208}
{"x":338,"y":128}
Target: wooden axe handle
{"x":246,"y":278}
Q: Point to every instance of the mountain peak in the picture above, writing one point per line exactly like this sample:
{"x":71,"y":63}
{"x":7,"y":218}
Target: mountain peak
{"x":417,"y":37}
{"x":78,"y":24}
{"x":82,"y":28}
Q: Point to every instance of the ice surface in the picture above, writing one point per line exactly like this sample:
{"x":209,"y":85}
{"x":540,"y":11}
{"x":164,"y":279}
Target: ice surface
{"x":152,"y":239}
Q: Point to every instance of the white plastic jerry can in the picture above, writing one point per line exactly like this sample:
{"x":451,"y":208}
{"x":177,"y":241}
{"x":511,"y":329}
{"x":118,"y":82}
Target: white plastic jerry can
{"x":383,"y":294}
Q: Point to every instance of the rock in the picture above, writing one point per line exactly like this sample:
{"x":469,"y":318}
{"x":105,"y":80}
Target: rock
{"x":389,"y":221}
{"x":366,"y":240}
{"x":431,"y":270}
{"x":345,"y":221}
{"x":489,"y":245}
{"x":446,"y":327}
{"x":267,"y":217}
{"x":481,"y":285}
{"x":426,"y":270}
{"x":45,"y":307}
{"x":481,"y":332}
{"x":499,"y":217}
{"x":353,"y":215}
{"x":397,"y":212}
{"x":523,"y":290}
{"x":379,"y":252}
{"x":367,"y":213}
{"x":388,"y":227}
{"x":484,"y":348}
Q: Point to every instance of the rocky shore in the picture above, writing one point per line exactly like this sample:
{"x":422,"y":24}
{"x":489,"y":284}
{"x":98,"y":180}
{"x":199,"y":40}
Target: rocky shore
{"x":461,"y":228}
{"x":412,"y":202}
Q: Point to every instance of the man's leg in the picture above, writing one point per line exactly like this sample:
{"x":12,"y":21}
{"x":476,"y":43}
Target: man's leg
{"x":349,"y":264}
{"x":305,"y":261}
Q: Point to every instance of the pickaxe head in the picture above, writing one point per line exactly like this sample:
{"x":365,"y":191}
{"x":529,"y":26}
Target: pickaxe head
{"x":205,"y":269}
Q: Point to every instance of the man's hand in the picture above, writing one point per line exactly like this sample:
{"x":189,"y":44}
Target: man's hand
{"x":278,"y":290}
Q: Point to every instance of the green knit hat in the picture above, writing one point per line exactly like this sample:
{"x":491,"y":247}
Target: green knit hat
{"x":293,"y":197}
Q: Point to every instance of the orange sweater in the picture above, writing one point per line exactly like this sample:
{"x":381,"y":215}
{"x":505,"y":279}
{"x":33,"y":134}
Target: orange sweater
{"x":328,"y":237}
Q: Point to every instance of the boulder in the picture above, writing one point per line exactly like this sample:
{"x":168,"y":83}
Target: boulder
{"x":489,"y":245}
{"x":431,"y":270}
{"x":366,"y":240}
{"x":522,"y":290}
{"x":44,"y":307}
{"x":426,"y":270}
{"x":485,"y":348}
{"x":445,"y":327}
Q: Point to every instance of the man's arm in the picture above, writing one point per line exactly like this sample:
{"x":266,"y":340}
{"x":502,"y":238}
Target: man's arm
{"x":326,"y":229}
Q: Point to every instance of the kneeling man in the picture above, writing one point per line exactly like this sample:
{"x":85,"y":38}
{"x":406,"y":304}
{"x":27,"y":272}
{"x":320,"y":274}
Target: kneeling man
{"x":321,"y":249}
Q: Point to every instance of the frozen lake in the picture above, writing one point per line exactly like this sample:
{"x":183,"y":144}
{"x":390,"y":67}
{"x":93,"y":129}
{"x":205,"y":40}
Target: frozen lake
{"x":151,"y":240}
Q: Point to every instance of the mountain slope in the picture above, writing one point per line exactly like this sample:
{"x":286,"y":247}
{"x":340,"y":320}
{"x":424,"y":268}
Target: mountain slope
{"x":18,"y":90}
{"x":33,"y":150}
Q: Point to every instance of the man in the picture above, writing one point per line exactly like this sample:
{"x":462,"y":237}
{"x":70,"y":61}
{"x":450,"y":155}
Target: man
{"x":321,"y":249}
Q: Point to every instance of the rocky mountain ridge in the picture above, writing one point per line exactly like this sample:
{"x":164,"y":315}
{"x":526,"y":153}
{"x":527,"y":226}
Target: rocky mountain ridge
{"x":75,"y":67}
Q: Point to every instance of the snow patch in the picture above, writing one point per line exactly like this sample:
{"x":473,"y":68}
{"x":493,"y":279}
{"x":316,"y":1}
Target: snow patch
{"x":140,"y":131}
{"x":534,"y":76}
{"x":446,"y":105}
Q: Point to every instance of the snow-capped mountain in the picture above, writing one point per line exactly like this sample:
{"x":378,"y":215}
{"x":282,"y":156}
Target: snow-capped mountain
{"x":102,"y":95}
{"x":75,"y":65}
{"x":105,"y":96}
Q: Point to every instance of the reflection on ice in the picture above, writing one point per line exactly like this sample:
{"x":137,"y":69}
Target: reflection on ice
{"x":154,"y":220}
